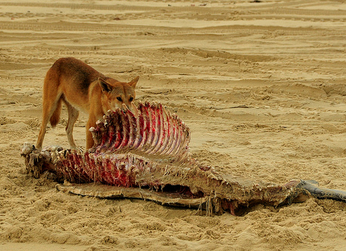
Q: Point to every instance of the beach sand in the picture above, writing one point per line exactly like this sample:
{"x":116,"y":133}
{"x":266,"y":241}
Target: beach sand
{"x":260,"y":84}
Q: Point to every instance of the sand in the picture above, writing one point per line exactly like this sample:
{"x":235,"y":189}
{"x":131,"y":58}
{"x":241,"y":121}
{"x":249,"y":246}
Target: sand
{"x":261,"y":86}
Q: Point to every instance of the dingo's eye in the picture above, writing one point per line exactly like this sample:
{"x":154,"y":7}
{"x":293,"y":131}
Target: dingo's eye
{"x":131,"y":99}
{"x":119,"y":98}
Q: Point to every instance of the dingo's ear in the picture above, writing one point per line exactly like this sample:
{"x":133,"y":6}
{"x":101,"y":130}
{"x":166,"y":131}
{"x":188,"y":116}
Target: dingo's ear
{"x":133,"y":82}
{"x":104,"y":85}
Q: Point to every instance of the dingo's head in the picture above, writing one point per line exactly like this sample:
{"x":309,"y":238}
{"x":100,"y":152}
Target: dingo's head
{"x":117,"y":94}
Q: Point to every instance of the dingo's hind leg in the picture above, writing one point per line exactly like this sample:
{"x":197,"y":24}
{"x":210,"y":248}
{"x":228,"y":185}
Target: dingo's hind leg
{"x":51,"y":111}
{"x":73,"y":114}
{"x":51,"y":106}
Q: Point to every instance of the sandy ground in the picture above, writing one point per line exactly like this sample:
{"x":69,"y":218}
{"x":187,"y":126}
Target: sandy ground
{"x":261,"y":86}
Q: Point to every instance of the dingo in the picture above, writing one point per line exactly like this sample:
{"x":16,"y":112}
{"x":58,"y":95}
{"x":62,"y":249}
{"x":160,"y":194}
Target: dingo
{"x":83,"y":88}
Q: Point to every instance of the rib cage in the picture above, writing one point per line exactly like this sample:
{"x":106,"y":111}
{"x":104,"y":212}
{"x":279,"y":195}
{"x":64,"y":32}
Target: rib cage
{"x":154,"y":131}
{"x":129,"y":148}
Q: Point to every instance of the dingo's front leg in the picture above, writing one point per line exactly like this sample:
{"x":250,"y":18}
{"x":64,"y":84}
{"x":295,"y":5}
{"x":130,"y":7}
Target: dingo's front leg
{"x":89,"y":138}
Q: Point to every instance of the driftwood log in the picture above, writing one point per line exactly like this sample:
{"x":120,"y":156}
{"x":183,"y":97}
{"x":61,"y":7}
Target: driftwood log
{"x":147,"y":157}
